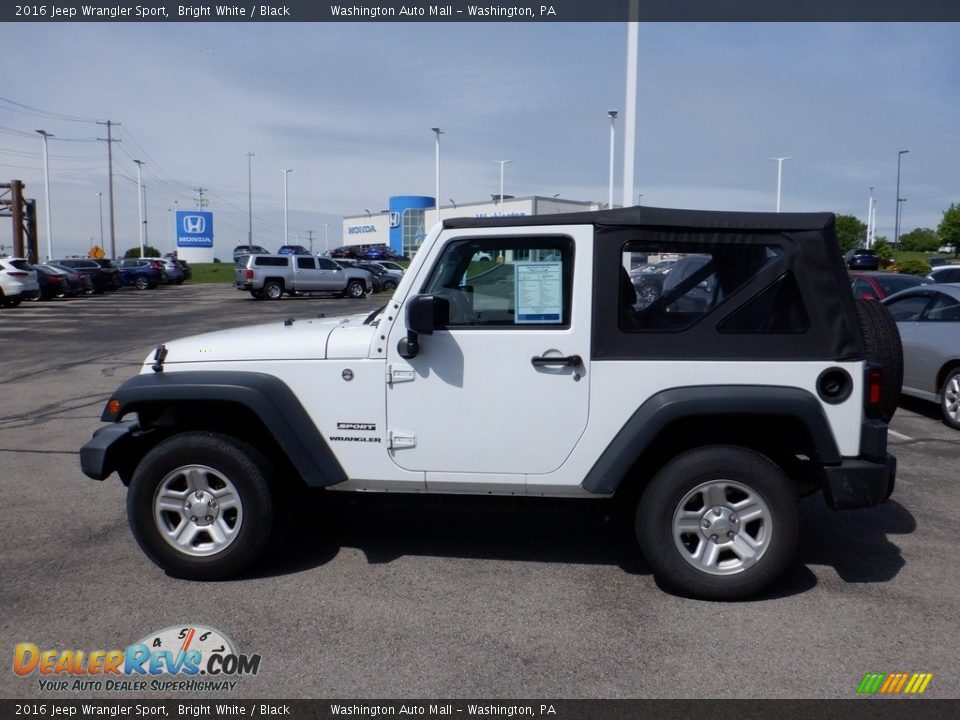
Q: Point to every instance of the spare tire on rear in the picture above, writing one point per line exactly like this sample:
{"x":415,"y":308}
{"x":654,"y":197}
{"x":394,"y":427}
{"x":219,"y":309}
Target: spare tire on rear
{"x":881,"y":340}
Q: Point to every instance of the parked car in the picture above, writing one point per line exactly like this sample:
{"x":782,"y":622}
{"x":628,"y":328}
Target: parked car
{"x":100,"y":277}
{"x":878,"y":285}
{"x":110,"y":269}
{"x":937,"y":261}
{"x":268,"y":277}
{"x":928,"y":318}
{"x":78,"y":283}
{"x":347,"y":251}
{"x":379,"y":252}
{"x":391,"y":265}
{"x":862,"y":259}
{"x":18,"y":281}
{"x":184,"y":265}
{"x":141,"y":273}
{"x":52,"y":282}
{"x":387,"y":279}
{"x":172,"y":273}
{"x":293,"y":250}
{"x":945,"y":274}
{"x":249,"y":250}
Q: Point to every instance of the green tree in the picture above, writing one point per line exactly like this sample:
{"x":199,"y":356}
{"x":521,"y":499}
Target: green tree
{"x":851,"y":233}
{"x":148,"y":251}
{"x":913,"y":266}
{"x":949,"y":228}
{"x":920,"y":240}
{"x":882,"y":248}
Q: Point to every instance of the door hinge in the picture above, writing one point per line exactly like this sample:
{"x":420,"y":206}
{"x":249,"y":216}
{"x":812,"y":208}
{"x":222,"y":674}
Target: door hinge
{"x":398,"y":439}
{"x":400,"y":374}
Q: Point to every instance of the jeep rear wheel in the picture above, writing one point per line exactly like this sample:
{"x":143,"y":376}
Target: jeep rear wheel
{"x":718,"y":523}
{"x":200,"y":505}
{"x":881,"y":340}
{"x":273,"y":290}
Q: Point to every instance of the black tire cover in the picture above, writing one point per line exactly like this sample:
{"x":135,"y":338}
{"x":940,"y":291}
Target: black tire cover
{"x":882,"y":342}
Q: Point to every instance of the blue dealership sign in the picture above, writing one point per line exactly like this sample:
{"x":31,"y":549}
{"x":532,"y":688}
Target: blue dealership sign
{"x":194,"y":229}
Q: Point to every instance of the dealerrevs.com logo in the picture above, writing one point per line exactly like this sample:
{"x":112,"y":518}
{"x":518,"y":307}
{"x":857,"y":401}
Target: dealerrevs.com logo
{"x":186,"y":658}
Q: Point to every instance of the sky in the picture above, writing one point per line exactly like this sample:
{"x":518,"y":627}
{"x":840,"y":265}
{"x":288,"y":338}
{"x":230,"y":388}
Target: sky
{"x":350,"y":107}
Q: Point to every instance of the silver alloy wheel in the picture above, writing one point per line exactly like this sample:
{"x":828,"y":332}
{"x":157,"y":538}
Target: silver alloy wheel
{"x":197,"y":510}
{"x":356,"y":289}
{"x":722,"y":527}
{"x":273,"y":291}
{"x":951,"y":398}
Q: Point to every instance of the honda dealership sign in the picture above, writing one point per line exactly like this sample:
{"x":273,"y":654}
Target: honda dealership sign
{"x":194,"y":229}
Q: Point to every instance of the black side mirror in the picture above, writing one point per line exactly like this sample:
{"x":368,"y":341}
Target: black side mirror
{"x":425,"y":313}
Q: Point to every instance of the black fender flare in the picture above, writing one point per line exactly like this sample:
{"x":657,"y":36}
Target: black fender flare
{"x":705,"y":401}
{"x":266,"y":396}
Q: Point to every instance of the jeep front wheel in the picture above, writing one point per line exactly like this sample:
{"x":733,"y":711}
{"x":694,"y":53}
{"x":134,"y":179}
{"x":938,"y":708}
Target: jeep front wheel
{"x":200,"y":505}
{"x":718,"y":523}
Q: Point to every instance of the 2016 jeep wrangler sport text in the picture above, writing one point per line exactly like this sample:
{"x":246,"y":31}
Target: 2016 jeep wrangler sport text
{"x":747,"y":381}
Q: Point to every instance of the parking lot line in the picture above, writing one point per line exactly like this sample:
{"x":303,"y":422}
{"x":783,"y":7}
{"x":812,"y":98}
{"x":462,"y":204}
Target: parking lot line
{"x":901,"y":436}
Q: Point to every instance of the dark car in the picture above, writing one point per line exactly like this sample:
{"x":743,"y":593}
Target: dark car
{"x":381,"y":276}
{"x":380,"y":252}
{"x":141,"y":273}
{"x":78,"y":283}
{"x":352,"y":252}
{"x":878,"y":285}
{"x":101,"y":278}
{"x":862,"y":259}
{"x":110,"y":269}
{"x":53,"y":282}
{"x":293,"y":250}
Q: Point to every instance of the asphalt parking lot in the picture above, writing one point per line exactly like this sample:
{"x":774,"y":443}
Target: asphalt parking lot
{"x":431,"y":598}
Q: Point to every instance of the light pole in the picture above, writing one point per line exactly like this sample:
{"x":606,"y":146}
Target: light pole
{"x":900,"y":202}
{"x":46,"y":187}
{"x":779,"y":176}
{"x":249,"y":199}
{"x":896,"y":230}
{"x":100,"y":202}
{"x":285,"y":206}
{"x":140,"y":202}
{"x":438,"y":132}
{"x":613,"y":118}
{"x":869,"y":242}
{"x":502,"y":163}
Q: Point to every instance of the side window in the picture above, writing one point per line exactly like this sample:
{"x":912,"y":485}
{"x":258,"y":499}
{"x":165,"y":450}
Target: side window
{"x":671,"y":286}
{"x":863,"y":290}
{"x":909,"y":308}
{"x":944,"y":308}
{"x":268,"y":261}
{"x":306,"y":263}
{"x":325,"y":264}
{"x":506,"y":282}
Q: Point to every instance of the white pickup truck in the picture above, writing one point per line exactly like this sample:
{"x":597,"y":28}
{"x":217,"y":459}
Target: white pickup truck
{"x":268,"y":277}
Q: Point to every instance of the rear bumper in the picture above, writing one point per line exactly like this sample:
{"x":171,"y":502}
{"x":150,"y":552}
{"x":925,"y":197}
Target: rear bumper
{"x":859,"y":483}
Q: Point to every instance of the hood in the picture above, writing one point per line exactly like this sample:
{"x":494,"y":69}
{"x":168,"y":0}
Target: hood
{"x":295,"y":339}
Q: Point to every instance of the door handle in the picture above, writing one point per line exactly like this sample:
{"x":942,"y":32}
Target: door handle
{"x":573,"y":361}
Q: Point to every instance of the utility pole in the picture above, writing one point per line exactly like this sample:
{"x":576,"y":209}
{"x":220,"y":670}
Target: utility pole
{"x":110,"y":141}
{"x":140,"y":202}
{"x":200,"y":191}
{"x":310,"y":235}
{"x":249,"y":199}
{"x":46,"y":184}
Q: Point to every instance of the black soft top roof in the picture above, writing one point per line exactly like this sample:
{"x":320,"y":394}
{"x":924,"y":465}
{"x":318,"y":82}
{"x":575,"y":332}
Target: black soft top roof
{"x":655,"y":217}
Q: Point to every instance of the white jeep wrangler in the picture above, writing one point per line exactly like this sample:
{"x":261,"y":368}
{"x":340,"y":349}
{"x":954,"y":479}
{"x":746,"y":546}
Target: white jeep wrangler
{"x":745,"y":384}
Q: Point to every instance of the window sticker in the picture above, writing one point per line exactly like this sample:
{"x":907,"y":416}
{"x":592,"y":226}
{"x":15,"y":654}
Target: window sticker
{"x":539,"y":292}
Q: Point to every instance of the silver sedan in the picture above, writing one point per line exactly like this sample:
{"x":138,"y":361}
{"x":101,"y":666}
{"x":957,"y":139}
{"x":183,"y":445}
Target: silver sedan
{"x":928,"y":318}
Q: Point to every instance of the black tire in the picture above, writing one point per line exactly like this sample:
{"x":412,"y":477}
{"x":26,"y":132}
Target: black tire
{"x":389,"y":285}
{"x":8,"y":303}
{"x":881,"y":340}
{"x":697,"y":483}
{"x":355,"y":289}
{"x":273,"y":290}
{"x":950,"y":399}
{"x":223,"y":458}
{"x":257,"y":294}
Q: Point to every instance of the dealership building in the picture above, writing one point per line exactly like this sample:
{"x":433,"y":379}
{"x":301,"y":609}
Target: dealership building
{"x":408,"y":218}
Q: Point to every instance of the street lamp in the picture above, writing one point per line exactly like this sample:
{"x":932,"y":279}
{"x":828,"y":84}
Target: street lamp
{"x":285,"y":207}
{"x":249,"y":199}
{"x":438,"y":133}
{"x":502,"y":163}
{"x":140,"y":202}
{"x":613,"y":117}
{"x":779,"y":176}
{"x":46,"y":186}
{"x":100,"y":202}
{"x":896,"y":231}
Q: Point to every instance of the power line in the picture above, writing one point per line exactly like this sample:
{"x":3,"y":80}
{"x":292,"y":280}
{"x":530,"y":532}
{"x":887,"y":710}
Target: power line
{"x":37,"y":112}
